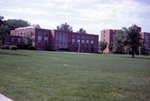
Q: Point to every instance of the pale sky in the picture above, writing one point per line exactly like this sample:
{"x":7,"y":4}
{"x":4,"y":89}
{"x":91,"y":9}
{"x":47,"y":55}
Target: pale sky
{"x":91,"y":15}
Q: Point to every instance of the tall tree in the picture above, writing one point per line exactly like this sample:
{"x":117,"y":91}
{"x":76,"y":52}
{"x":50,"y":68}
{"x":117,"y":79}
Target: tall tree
{"x":28,"y":38}
{"x":1,"y":20}
{"x":81,"y":30}
{"x":4,"y":30}
{"x":110,"y":46}
{"x":14,"y":23}
{"x":118,"y":41}
{"x":102,"y":45}
{"x":132,"y":38}
{"x":65,"y":27}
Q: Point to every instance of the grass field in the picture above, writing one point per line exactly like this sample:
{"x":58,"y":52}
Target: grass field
{"x":58,"y":76}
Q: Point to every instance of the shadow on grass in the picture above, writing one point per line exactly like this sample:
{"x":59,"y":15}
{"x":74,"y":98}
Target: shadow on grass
{"x":147,"y":58}
{"x":4,"y":52}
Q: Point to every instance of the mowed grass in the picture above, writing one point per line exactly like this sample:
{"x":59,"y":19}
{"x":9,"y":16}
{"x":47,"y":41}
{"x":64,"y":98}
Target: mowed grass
{"x":58,"y":76}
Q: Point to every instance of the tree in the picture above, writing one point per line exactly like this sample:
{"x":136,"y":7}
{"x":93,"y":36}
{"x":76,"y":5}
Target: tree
{"x":102,"y":45}
{"x":110,"y":46}
{"x":28,"y":38}
{"x":14,"y":23}
{"x":81,"y":30}
{"x":1,"y":20}
{"x":4,"y":30}
{"x":118,"y":41}
{"x":132,"y":38}
{"x":65,"y":27}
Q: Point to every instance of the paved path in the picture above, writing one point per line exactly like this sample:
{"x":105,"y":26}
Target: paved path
{"x":4,"y":98}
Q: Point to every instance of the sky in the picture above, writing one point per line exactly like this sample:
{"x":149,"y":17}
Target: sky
{"x":91,"y":15}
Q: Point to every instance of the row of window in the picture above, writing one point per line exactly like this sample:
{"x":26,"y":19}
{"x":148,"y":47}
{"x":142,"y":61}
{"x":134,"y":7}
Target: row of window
{"x":45,"y":34}
{"x":40,"y":38}
{"x":13,"y":40}
{"x":83,"y":37}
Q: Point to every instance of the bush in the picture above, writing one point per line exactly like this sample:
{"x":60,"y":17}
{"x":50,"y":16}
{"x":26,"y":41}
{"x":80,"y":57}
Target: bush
{"x":7,"y":47}
{"x":13,"y":47}
{"x":2,"y":47}
{"x":31,"y":48}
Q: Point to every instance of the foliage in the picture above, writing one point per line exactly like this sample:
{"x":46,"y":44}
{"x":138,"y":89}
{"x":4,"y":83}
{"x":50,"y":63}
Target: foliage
{"x":132,"y":38}
{"x":28,"y":38}
{"x":58,"y":76}
{"x":143,"y":49}
{"x":118,"y":41}
{"x":65,"y":27}
{"x":1,"y":20}
{"x":102,"y":45}
{"x":4,"y":30}
{"x":13,"y":47}
{"x":81,"y":30}
{"x":110,"y":46}
{"x":14,"y":23}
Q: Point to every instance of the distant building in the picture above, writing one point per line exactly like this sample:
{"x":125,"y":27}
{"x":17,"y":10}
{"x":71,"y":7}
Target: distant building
{"x":56,"y":40}
{"x":107,"y":35}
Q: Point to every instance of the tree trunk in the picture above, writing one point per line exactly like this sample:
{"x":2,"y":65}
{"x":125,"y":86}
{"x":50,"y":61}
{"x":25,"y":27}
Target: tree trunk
{"x":132,"y":55}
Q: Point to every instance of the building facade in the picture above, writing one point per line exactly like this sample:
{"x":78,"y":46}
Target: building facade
{"x":56,"y":40}
{"x":107,"y":35}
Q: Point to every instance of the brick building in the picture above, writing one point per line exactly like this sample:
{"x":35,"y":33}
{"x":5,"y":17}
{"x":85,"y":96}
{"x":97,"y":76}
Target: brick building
{"x":107,"y":35}
{"x":46,"y":39}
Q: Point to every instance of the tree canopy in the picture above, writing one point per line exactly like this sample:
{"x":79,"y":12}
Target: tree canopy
{"x":81,"y":30}
{"x":4,"y":30}
{"x":10,"y":24}
{"x":118,"y":41}
{"x":102,"y":45}
{"x":65,"y":27}
{"x":110,"y":46}
{"x":127,"y":39}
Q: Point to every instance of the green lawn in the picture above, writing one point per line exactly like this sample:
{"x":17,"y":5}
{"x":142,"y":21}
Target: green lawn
{"x":58,"y":76}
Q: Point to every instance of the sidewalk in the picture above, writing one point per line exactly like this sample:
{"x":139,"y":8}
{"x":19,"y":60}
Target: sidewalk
{"x":4,"y":98}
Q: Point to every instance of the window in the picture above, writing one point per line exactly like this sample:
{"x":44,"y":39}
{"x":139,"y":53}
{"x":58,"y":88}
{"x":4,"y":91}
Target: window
{"x":21,"y":33}
{"x":19,"y":40}
{"x":104,"y":31}
{"x":82,"y":37}
{"x":92,"y":38}
{"x":13,"y":40}
{"x":46,"y":42}
{"x":39,"y":41}
{"x":104,"y":35}
{"x":104,"y":40}
{"x":78,"y":37}
{"x":18,"y":34}
{"x":87,"y":38}
{"x":11,"y":33}
{"x":57,"y":39}
{"x":73,"y":36}
{"x":39,"y":33}
{"x":24,"y":33}
{"x":46,"y":34}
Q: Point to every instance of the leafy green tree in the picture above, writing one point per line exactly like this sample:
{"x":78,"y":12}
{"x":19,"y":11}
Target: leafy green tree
{"x":132,"y":38}
{"x":1,"y":20}
{"x":118,"y":41}
{"x":65,"y":27}
{"x":102,"y":45}
{"x":110,"y":46}
{"x":28,"y":38}
{"x":4,"y":30}
{"x":14,"y":23}
{"x":81,"y":30}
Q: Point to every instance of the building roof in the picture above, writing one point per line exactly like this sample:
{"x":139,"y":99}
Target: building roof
{"x":36,"y":26}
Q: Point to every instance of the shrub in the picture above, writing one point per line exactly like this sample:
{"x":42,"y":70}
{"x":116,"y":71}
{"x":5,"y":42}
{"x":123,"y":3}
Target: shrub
{"x":7,"y":47}
{"x":13,"y":47}
{"x":2,"y":47}
{"x":31,"y":48}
